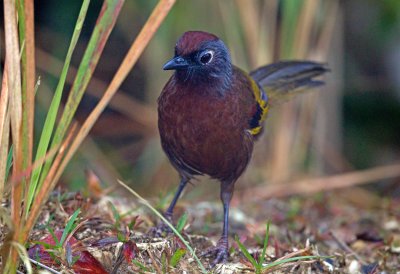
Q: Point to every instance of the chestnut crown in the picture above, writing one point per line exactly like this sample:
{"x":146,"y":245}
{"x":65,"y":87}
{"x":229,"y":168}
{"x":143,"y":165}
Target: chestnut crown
{"x":201,"y":57}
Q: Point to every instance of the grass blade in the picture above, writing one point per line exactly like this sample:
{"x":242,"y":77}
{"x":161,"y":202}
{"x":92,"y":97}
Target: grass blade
{"x":23,"y":254}
{"x":141,"y":266}
{"x":26,"y":40}
{"x":182,"y":222}
{"x":5,"y":161}
{"x":117,"y":216}
{"x":54,"y":106}
{"x":299,"y":258}
{"x":141,"y":41}
{"x":15,"y":110}
{"x":266,"y":240}
{"x":101,"y":32}
{"x":48,"y":185}
{"x":9,"y":162}
{"x":246,"y":253}
{"x":70,"y":226}
{"x":177,"y":256}
{"x":30,"y":77}
{"x":13,"y":68}
{"x":159,"y":215}
{"x":4,"y":132}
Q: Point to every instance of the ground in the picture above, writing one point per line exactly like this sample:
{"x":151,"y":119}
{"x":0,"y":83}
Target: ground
{"x":358,"y":239}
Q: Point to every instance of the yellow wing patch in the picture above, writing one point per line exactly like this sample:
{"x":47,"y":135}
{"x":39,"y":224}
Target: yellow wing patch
{"x":262,"y":103}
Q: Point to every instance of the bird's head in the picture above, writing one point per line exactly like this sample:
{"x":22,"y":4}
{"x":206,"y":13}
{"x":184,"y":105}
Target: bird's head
{"x":201,"y":57}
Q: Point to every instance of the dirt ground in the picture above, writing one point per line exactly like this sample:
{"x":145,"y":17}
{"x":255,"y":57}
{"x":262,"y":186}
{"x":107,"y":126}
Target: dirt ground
{"x":111,"y":235}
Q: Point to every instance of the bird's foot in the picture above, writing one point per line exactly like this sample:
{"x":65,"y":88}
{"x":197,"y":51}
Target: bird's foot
{"x":162,"y":229}
{"x":220,"y":252}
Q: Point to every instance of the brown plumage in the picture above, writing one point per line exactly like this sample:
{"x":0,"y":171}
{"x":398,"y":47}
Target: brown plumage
{"x":210,"y":113}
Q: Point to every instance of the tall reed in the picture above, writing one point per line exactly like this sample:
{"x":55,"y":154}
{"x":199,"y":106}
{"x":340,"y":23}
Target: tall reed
{"x":59,"y":140}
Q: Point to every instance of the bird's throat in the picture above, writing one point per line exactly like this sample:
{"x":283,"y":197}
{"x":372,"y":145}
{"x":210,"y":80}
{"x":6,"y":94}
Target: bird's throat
{"x":205,"y":83}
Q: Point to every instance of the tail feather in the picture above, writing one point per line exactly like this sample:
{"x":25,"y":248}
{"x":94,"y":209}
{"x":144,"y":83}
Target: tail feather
{"x":286,"y":76}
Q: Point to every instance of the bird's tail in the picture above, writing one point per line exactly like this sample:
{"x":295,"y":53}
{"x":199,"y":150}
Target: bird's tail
{"x":285,"y":78}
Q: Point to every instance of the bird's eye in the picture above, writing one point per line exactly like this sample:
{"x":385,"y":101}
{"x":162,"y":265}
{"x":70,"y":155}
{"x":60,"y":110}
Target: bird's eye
{"x":206,"y":57}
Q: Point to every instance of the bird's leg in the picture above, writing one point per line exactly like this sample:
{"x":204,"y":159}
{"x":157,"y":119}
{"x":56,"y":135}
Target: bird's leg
{"x":168,"y":214}
{"x":162,"y":227}
{"x":220,"y":251}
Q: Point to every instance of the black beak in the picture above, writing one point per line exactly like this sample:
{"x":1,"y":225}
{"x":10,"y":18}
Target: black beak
{"x":176,"y":63}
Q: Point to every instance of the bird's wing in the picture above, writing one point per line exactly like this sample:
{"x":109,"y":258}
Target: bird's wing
{"x":262,"y":108}
{"x":284,"y":79}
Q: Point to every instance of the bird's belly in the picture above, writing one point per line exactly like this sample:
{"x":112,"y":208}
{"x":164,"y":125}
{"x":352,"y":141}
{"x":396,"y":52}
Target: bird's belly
{"x":205,"y":141}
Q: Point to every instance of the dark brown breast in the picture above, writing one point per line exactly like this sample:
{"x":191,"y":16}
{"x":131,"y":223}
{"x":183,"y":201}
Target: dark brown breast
{"x":204,"y":132}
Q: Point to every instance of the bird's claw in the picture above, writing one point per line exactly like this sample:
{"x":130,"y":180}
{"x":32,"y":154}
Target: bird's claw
{"x":162,"y":229}
{"x":219,"y":252}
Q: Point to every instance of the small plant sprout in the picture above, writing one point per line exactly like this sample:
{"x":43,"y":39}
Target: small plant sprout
{"x":182,"y":222}
{"x":261,"y":267}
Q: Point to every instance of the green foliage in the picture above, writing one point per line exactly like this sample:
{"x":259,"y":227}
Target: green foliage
{"x":290,"y":13}
{"x":141,"y":266}
{"x":247,"y":254}
{"x":177,"y":256}
{"x":49,"y":124}
{"x":266,"y":240}
{"x":58,"y":251}
{"x":294,"y":207}
{"x":70,"y":226}
{"x":9,"y":162}
{"x":159,"y":215}
{"x":182,"y":222}
{"x":293,"y":259}
{"x":390,"y":14}
{"x":117,"y":224}
{"x":58,"y":141}
{"x":259,"y":265}
{"x":117,"y":216}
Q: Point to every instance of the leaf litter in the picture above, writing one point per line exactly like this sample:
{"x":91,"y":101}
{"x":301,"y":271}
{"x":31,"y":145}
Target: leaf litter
{"x":348,"y":237}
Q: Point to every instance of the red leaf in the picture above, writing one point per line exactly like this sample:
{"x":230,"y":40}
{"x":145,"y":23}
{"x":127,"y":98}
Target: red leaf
{"x":129,"y":250}
{"x":85,"y":263}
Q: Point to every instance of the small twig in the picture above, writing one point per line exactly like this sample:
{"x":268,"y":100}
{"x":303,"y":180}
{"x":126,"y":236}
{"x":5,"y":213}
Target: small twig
{"x":345,"y":247}
{"x":118,"y":261}
{"x":313,"y":185}
{"x":293,"y":254}
{"x":292,"y":265}
{"x":44,"y":266}
{"x":153,"y":261}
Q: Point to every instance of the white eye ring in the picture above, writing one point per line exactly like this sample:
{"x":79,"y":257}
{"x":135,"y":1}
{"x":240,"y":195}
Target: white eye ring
{"x":206,"y":57}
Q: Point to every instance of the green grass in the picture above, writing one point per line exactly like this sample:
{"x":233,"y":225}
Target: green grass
{"x":174,"y":230}
{"x":177,"y":256}
{"x":60,"y":251}
{"x":182,"y":222}
{"x":50,"y":121}
{"x":260,"y":266}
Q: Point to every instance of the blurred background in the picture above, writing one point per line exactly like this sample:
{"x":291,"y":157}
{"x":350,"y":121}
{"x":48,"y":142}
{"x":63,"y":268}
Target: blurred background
{"x":350,"y":124}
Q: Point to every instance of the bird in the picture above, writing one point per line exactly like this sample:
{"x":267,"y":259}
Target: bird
{"x":211,"y":112}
